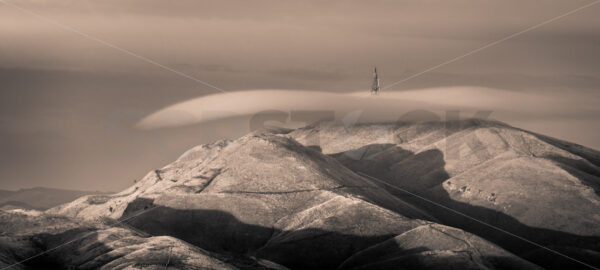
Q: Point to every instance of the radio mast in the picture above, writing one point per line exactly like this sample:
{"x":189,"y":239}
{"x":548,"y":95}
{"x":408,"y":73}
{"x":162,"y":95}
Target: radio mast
{"x":375,"y":87}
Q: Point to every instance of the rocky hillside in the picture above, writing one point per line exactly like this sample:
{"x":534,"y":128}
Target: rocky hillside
{"x":328,"y":196}
{"x":33,"y":240}
{"x":536,"y":187}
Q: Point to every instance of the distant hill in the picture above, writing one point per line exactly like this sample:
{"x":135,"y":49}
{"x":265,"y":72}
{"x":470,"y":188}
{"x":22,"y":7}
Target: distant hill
{"x":39,"y":198}
{"x":5,"y":193}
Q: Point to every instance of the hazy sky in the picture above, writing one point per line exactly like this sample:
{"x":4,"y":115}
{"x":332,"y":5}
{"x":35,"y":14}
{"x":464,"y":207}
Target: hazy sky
{"x":68,"y":103}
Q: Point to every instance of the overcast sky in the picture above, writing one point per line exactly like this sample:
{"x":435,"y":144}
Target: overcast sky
{"x":69,"y":101}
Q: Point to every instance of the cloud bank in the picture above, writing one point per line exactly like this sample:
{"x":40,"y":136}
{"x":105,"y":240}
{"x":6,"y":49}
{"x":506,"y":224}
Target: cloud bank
{"x":523,"y":109}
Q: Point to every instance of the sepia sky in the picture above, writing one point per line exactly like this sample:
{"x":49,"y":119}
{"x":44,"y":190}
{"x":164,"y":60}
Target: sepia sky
{"x":73,"y":84}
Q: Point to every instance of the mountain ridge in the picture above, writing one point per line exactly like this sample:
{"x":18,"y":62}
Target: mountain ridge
{"x":296,"y":198}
